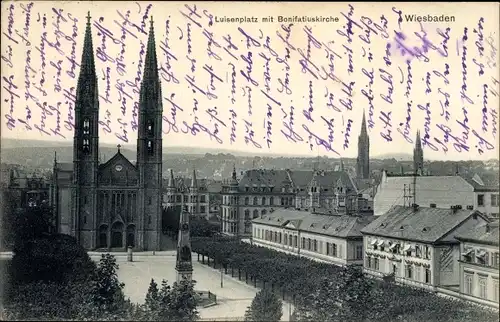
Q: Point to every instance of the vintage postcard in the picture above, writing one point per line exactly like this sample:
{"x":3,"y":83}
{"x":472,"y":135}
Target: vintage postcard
{"x":249,"y":161}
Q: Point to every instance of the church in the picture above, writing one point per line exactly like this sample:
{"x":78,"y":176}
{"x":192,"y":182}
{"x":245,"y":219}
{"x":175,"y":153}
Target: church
{"x":116,"y":204}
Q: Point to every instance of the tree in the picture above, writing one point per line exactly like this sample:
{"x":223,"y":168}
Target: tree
{"x":266,"y":306}
{"x":182,"y":301}
{"x":57,"y":258}
{"x":171,"y":303}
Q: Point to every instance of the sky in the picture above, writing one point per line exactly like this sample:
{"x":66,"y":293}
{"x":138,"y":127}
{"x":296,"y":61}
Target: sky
{"x":298,"y":86}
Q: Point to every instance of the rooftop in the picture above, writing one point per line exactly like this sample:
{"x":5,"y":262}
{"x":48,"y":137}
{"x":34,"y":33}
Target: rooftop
{"x":483,"y":234}
{"x":422,"y":224}
{"x":343,"y":226}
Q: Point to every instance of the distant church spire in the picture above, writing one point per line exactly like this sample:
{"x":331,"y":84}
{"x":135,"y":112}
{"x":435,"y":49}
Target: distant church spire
{"x":418,"y":155}
{"x":184,"y":265}
{"x":363,"y":160}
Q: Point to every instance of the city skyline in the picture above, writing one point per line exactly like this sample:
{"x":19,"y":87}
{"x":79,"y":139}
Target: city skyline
{"x":327,"y":106}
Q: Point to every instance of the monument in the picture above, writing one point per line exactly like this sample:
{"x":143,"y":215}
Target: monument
{"x":184,"y":266}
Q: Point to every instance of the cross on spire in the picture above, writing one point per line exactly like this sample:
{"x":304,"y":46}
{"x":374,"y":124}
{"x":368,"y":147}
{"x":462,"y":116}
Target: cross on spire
{"x":119,"y":146}
{"x":151,"y":21}
{"x":88,"y":17}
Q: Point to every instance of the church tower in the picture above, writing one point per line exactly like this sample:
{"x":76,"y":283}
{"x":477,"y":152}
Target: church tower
{"x":85,"y":148}
{"x":184,"y":265}
{"x":418,"y":155}
{"x":363,"y":160}
{"x":149,"y":151}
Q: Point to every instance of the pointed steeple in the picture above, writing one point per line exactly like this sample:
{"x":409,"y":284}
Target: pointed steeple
{"x":363,"y":160}
{"x":234,"y":172}
{"x":363,"y":125}
{"x":418,"y":155}
{"x":87,"y":66}
{"x":418,"y":141}
{"x":150,"y":88}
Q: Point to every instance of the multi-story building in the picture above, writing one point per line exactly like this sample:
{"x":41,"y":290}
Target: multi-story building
{"x":436,"y":191}
{"x":260,"y":191}
{"x":27,"y":190}
{"x":486,"y":197}
{"x":416,"y":245}
{"x":479,"y":263}
{"x":334,"y":239}
{"x":214,"y":188}
{"x":118,"y":203}
{"x":192,"y":193}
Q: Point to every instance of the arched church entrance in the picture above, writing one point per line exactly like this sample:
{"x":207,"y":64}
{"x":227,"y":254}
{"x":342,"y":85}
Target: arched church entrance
{"x":103,"y":236}
{"x":131,"y":235}
{"x":117,"y":235}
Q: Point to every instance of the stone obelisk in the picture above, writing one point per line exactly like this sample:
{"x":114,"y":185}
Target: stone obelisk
{"x":184,"y":266}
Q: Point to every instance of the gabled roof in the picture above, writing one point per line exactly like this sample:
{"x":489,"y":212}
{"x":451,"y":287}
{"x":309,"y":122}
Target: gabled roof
{"x":118,"y":157}
{"x":264,"y":178}
{"x":483,"y":234}
{"x":423,"y":224}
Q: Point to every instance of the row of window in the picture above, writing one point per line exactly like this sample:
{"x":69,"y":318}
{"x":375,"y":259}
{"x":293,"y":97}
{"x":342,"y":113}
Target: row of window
{"x":308,"y":244}
{"x":481,"y":257}
{"x":186,"y":199}
{"x":494,"y":200}
{"x":411,"y":271}
{"x":482,"y":286}
{"x":419,"y":251}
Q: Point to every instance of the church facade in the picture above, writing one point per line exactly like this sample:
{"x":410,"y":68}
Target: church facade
{"x":115,"y":204}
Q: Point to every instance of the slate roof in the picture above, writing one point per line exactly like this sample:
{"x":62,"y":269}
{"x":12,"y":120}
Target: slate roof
{"x":483,"y":234}
{"x":425,"y":224}
{"x":342,"y":226}
{"x":441,"y":190}
{"x":265,"y":178}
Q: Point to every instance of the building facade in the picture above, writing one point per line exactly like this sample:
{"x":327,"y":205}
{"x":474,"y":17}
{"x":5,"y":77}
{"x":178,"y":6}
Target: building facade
{"x":333,"y":239}
{"x":479,"y":263}
{"x":27,"y":190}
{"x":486,"y":197}
{"x":115,"y":204}
{"x":191,"y":192}
{"x":416,"y":245}
{"x":260,"y":191}
{"x":435,"y":191}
